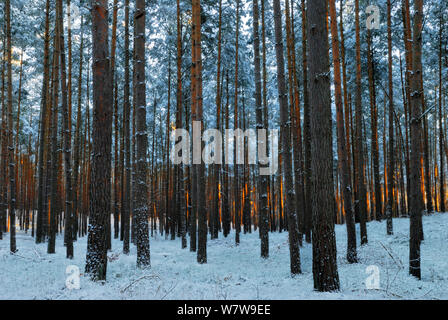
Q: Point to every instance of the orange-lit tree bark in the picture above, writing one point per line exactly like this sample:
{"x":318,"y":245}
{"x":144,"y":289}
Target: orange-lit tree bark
{"x":100,"y":175}
{"x":325,"y":271}
{"x":289,"y":205}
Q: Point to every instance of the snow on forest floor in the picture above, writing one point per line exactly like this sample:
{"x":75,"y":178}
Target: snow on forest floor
{"x":232,"y":272}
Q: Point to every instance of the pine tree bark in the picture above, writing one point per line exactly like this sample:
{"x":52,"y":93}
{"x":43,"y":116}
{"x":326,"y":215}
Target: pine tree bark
{"x":126,"y":174}
{"x":344,"y":169}
{"x":179,"y":180}
{"x":325,"y":271}
{"x":141,"y":208}
{"x":67,"y":143}
{"x":77,"y":153}
{"x":41,"y":211}
{"x":289,"y":205}
{"x":262,"y":180}
{"x":441,"y":131}
{"x":99,"y":207}
{"x":376,"y":188}
{"x":236,"y":182}
{"x":391,"y":158}
{"x":54,"y":121}
{"x":361,"y":194}
{"x":416,"y":205}
{"x":200,"y":168}
{"x":4,"y":155}
{"x":10,"y":139}
{"x":307,"y":223}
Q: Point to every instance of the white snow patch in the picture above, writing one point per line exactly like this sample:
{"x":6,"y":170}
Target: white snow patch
{"x":232,"y":272}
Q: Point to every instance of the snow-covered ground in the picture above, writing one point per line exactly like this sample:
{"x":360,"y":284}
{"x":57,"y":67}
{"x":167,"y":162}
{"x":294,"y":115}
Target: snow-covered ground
{"x":232,"y":272}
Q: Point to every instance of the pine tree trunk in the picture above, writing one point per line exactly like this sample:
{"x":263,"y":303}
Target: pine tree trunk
{"x":391,"y":164}
{"x":179,"y":180}
{"x":236,"y":183}
{"x":41,"y":212}
{"x":126,"y":175}
{"x":10,"y":139}
{"x":67,"y":145}
{"x":344,"y":169}
{"x":441,"y":132}
{"x":290,"y":211}
{"x":76,"y":159}
{"x":325,"y":271}
{"x":262,"y":180}
{"x":361,"y":195}
{"x":416,"y":205}
{"x":99,"y":208}
{"x":53,"y":156}
{"x":200,"y":168}
{"x":140,"y":211}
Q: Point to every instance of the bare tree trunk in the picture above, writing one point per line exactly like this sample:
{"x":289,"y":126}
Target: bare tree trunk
{"x":41,"y":211}
{"x":441,"y":132}
{"x":307,"y":223}
{"x":96,"y":260}
{"x":77,"y":142}
{"x":141,"y":208}
{"x":262,"y":180}
{"x":325,"y":271}
{"x":66,"y":141}
{"x":126,"y":175}
{"x":179,"y":180}
{"x":391,"y":166}
{"x":344,"y":169}
{"x":53,"y":156}
{"x":290,"y":212}
{"x":416,"y":206}
{"x":200,"y":170}
{"x":10,"y":139}
{"x":361,"y":195}
{"x":236,"y":183}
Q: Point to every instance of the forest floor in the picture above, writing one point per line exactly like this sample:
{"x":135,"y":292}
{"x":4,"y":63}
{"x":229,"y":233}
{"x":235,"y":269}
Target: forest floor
{"x":232,"y":272}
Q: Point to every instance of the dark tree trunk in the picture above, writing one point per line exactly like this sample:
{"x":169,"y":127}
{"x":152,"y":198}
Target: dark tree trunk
{"x":325,"y":271}
{"x":391,"y":164}
{"x":290,"y":211}
{"x":361,"y":194}
{"x":262,"y":179}
{"x":99,"y":208}
{"x":416,"y":205}
{"x":141,"y":201}
{"x":344,"y":169}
